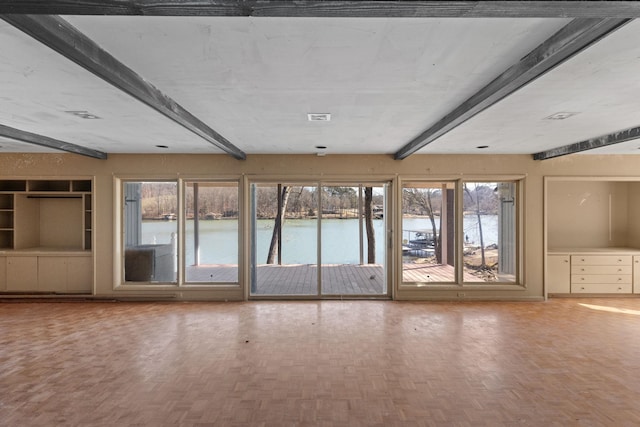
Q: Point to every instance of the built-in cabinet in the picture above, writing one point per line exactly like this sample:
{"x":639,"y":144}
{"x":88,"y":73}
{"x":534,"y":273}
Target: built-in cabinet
{"x":46,"y":235}
{"x":601,"y":274}
{"x":594,"y":271}
{"x":559,"y":274}
{"x":593,"y":236}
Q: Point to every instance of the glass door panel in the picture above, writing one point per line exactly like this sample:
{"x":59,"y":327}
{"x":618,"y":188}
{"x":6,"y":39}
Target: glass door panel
{"x":353,"y":240}
{"x":284,"y":239}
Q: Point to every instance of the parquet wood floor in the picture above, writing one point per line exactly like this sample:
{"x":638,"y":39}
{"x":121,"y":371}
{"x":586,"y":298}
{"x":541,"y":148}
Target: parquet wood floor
{"x":565,"y":362}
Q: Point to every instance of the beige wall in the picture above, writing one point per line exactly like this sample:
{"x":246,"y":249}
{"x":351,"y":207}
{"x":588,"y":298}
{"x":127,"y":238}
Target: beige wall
{"x":328,"y":167}
{"x":588,"y":214}
{"x":633,"y":225}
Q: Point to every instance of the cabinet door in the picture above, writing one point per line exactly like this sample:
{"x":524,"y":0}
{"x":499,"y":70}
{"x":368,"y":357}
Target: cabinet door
{"x":52,"y":274}
{"x":558,"y":274}
{"x":3,"y":274}
{"x":79,"y":274}
{"x":636,"y":274}
{"x":22,"y":274}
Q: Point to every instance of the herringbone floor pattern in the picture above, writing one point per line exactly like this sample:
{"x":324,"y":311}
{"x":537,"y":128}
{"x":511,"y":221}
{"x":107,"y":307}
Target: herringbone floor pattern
{"x":566,"y":362}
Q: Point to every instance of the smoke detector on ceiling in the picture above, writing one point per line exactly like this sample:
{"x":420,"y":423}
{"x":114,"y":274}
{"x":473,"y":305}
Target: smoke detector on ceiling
{"x":319,"y":117}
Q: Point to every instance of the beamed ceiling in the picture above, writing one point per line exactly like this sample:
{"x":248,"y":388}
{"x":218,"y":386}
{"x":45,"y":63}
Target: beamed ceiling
{"x":397,"y":77}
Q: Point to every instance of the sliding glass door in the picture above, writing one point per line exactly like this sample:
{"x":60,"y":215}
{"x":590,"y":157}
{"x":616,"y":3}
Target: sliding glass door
{"x":297,"y":227}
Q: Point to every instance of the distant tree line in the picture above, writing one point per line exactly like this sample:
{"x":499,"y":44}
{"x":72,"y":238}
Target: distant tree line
{"x":219,"y":201}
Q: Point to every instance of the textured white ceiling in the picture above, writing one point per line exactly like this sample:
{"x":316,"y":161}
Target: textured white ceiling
{"x":253,"y":80}
{"x":600,"y":84}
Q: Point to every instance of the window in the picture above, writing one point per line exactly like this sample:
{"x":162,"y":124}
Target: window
{"x":428,"y":232}
{"x":150,"y":231}
{"x":180,"y":232}
{"x":211,"y":232}
{"x":490,"y":225}
{"x":485,"y":250}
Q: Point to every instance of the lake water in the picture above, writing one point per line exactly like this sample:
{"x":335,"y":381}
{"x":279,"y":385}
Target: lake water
{"x":340,"y":241}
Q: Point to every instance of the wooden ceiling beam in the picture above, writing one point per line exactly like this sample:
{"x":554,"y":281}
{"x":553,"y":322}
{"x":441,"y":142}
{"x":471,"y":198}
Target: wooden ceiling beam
{"x":64,"y":38}
{"x":329,"y":8}
{"x":45,"y":141}
{"x":590,"y":144}
{"x":568,"y":41}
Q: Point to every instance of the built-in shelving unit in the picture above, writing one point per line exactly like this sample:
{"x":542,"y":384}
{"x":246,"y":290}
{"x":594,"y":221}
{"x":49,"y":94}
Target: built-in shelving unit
{"x":593,"y":236}
{"x":87,"y":223}
{"x":43,"y":213}
{"x":45,"y":235}
{"x":6,"y":220}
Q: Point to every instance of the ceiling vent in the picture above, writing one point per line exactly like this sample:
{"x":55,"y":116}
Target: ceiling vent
{"x":561,"y":116}
{"x":319,"y":117}
{"x":83,"y":114}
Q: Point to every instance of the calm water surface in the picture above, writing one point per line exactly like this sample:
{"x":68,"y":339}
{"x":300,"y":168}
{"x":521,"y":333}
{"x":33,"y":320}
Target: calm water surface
{"x":340,"y":238}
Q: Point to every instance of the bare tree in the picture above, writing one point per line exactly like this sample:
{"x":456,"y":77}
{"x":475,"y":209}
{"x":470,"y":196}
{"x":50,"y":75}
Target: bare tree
{"x":478,"y":211}
{"x":422,"y":197}
{"x":368,"y":220}
{"x":276,"y":237}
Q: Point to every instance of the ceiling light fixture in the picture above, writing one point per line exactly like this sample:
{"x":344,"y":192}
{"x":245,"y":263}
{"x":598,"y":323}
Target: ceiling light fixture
{"x":561,"y":115}
{"x":321,"y":153}
{"x":319,"y":117}
{"x":83,"y":114}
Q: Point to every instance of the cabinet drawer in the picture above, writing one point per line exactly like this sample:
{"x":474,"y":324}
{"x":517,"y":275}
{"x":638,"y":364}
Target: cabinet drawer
{"x":602,"y":278}
{"x":601,"y":260}
{"x":601,"y":269}
{"x":600,"y":288}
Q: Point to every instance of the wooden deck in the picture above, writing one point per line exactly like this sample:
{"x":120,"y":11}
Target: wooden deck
{"x":435,"y":273}
{"x":337,"y":279}
{"x":299,"y":279}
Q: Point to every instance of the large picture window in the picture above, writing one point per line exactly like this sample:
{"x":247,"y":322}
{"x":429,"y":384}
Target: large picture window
{"x":180,"y":232}
{"x":484,"y":250}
